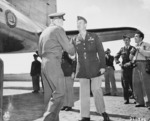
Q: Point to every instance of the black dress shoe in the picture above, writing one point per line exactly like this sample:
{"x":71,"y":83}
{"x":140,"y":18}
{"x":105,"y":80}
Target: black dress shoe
{"x":84,"y":119}
{"x":105,"y":116}
{"x":139,"y":105}
{"x":68,"y":109}
{"x":126,"y":102}
{"x":107,"y":94}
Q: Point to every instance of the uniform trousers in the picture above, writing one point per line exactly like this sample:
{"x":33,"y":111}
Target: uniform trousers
{"x":85,"y":96}
{"x":110,"y":78}
{"x":141,"y":84}
{"x":69,"y":101}
{"x":126,"y":80}
{"x":54,"y":88}
{"x":35,"y":82}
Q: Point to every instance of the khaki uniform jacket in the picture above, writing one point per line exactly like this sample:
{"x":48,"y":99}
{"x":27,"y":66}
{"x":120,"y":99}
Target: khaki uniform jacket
{"x":53,"y":40}
{"x":90,"y":56}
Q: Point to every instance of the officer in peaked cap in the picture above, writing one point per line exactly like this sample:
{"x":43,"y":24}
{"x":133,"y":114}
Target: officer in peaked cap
{"x":57,"y":15}
{"x":53,"y":41}
{"x":90,"y":66}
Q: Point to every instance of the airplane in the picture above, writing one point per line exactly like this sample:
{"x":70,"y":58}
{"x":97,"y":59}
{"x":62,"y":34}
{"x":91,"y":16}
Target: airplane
{"x":19,"y":33}
{"x":20,"y":27}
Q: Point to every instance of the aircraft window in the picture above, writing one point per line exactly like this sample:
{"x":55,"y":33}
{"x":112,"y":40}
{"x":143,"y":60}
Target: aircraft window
{"x":1,"y":10}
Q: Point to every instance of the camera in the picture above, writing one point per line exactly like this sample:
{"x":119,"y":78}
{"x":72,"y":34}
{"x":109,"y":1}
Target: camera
{"x":133,"y":63}
{"x":106,"y":52}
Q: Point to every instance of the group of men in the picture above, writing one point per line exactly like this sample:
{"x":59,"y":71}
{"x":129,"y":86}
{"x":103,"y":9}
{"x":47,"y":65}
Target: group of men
{"x":88,"y":50}
{"x":135,"y":80}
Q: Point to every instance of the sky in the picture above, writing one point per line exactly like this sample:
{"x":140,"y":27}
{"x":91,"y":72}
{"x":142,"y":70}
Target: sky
{"x":99,"y":14}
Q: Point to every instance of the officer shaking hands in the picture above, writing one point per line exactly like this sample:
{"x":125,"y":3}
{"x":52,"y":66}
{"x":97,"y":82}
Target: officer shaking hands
{"x":90,"y":65}
{"x":53,"y":41}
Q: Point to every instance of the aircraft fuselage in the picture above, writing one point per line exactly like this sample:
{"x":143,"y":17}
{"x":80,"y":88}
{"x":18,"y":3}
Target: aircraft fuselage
{"x":17,"y":32}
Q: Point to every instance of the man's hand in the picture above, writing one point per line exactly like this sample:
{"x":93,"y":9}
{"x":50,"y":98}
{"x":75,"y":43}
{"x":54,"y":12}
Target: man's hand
{"x":72,"y":56}
{"x":127,"y":64}
{"x":73,"y":75}
{"x":102,"y":70}
{"x":120,"y":64}
{"x":138,"y":48}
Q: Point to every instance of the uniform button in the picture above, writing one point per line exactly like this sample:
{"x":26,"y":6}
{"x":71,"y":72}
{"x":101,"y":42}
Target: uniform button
{"x":84,"y":48}
{"x":83,"y":43}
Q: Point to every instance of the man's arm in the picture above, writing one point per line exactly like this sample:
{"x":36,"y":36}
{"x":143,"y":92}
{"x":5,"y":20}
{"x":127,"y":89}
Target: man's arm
{"x":31,"y":70}
{"x":100,"y":51}
{"x":64,"y":41}
{"x":117,"y":56}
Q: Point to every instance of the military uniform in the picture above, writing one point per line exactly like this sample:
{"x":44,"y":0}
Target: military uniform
{"x":109,"y":75}
{"x":53,"y":41}
{"x":68,"y":67}
{"x":141,"y":79}
{"x":90,"y":59}
{"x":36,"y":73}
{"x":126,"y":70}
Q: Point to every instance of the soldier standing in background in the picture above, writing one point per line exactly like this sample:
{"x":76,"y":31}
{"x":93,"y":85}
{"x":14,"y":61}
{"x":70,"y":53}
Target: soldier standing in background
{"x":109,"y":74}
{"x":68,"y":67}
{"x":141,"y":79}
{"x":126,"y":68}
{"x":35,"y":74}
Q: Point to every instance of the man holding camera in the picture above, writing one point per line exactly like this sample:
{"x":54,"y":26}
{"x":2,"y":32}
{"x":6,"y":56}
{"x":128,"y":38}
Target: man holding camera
{"x":141,"y":78}
{"x":109,"y":74}
{"x":126,"y":67}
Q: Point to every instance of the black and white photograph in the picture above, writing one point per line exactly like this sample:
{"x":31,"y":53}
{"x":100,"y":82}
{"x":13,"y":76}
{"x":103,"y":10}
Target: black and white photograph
{"x":74,"y":60}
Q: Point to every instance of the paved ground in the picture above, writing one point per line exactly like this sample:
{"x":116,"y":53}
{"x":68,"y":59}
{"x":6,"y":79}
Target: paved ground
{"x":19,"y":104}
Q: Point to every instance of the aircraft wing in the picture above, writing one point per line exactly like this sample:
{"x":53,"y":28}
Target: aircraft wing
{"x":19,"y":34}
{"x":109,"y":34}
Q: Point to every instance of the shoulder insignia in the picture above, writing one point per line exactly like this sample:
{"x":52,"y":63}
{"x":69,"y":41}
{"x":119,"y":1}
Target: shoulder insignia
{"x":11,"y":19}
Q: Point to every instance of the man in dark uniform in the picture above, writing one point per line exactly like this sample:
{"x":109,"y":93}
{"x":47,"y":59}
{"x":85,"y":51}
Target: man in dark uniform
{"x":126,"y":67}
{"x":53,"y":41}
{"x":109,"y":74}
{"x":68,"y":66}
{"x":35,"y":73}
{"x":90,"y":65}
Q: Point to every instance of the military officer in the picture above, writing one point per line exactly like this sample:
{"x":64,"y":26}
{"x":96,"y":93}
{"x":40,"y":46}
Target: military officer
{"x":90,"y":65}
{"x":35,"y":74}
{"x":53,"y":41}
{"x":68,"y":66}
{"x":126,"y":67}
{"x":109,"y":74}
{"x":141,"y":79}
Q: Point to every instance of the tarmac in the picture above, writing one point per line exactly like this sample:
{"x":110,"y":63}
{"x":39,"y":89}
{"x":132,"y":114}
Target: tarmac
{"x":20,"y":104}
